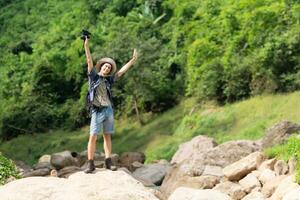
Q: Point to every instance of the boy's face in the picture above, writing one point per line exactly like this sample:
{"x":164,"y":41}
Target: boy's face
{"x":105,"y":69}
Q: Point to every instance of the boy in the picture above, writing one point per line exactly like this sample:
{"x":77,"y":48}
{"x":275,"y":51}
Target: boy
{"x":101,"y":77}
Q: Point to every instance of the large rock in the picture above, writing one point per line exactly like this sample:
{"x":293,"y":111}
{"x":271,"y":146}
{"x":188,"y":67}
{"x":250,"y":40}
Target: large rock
{"x":128,"y":158}
{"x":197,"y":164}
{"x":234,"y":190}
{"x":294,"y":194}
{"x":239,"y":169}
{"x":190,"y":149}
{"x":63,"y":159}
{"x":154,"y":173}
{"x":278,"y":133}
{"x":184,"y":193}
{"x":285,"y":186}
{"x":249,"y":182}
{"x":102,"y":185}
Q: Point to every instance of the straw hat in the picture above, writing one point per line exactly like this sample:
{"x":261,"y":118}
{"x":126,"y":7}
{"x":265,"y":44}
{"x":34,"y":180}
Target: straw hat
{"x":107,"y":60}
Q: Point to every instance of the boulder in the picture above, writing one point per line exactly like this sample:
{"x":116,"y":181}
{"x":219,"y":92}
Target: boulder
{"x":67,"y":171}
{"x":241,"y":168}
{"x":38,"y":172}
{"x":192,"y":148}
{"x":285,"y":186}
{"x":128,"y":158}
{"x":254,"y":196}
{"x":154,"y":173}
{"x":266,"y":176}
{"x":234,"y":190}
{"x":64,"y":159}
{"x":270,"y":186}
{"x":184,"y":193}
{"x":292,"y":165}
{"x":281,"y":167}
{"x":249,"y":182}
{"x":196,"y":164}
{"x":293,"y":194}
{"x":45,"y":158}
{"x":102,"y":185}
{"x":278,"y":133}
{"x":267,"y":164}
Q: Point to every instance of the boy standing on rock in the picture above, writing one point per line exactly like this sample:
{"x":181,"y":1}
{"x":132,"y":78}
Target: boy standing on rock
{"x":101,"y":77}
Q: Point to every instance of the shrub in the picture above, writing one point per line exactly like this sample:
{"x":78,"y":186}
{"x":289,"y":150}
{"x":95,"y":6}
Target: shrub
{"x":7,"y":169}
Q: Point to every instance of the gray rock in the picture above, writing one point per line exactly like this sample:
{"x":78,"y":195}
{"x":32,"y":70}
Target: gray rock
{"x":154,"y":173}
{"x":64,"y":159}
{"x":279,"y":133}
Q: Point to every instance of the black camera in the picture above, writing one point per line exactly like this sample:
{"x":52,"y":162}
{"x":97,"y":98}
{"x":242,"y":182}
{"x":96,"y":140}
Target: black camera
{"x":85,"y":34}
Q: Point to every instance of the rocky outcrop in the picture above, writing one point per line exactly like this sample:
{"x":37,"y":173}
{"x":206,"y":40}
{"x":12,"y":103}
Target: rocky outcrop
{"x":278,"y":133}
{"x":206,"y":158}
{"x":102,"y":185}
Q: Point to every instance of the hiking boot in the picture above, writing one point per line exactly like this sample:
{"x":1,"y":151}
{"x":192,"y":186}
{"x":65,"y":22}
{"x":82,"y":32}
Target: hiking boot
{"x":90,"y":167}
{"x":109,"y":165}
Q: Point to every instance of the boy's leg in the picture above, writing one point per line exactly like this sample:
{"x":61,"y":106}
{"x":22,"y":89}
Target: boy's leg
{"x":92,"y":146}
{"x":107,"y":145}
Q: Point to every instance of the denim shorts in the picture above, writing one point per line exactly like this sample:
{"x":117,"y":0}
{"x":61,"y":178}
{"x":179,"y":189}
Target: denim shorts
{"x":102,"y":120}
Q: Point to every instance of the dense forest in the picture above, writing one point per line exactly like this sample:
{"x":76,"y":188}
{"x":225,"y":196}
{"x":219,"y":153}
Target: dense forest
{"x":209,"y":49}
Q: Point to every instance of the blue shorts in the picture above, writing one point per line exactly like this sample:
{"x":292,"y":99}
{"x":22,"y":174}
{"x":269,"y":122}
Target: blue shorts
{"x":102,"y":120}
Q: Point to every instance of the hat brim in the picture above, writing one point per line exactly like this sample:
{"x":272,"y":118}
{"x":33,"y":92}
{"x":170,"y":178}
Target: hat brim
{"x":102,"y":61}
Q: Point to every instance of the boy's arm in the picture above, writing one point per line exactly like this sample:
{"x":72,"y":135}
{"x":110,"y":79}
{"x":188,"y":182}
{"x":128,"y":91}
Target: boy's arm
{"x":124,"y":69}
{"x":88,"y":55}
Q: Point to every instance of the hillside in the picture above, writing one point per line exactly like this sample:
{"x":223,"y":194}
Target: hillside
{"x":162,"y":134}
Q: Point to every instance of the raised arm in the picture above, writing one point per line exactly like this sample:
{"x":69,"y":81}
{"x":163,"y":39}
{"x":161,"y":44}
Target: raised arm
{"x":88,"y":55}
{"x":124,"y":69}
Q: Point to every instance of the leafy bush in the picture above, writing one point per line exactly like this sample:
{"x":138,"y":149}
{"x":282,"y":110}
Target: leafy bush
{"x":7,"y":169}
{"x":291,"y":149}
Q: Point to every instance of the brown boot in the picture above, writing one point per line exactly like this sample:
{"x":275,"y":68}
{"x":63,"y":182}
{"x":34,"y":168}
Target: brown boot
{"x":109,"y":165}
{"x":90,"y":167}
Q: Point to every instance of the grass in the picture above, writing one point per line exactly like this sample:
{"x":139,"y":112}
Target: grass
{"x":160,"y":137}
{"x":291,"y":149}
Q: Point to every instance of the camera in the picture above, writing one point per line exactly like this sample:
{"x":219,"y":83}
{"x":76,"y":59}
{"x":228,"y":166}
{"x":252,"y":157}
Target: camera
{"x":85,"y":34}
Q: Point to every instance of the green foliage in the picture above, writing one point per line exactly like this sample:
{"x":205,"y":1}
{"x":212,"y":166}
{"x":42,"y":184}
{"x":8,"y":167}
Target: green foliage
{"x":7,"y":169}
{"x":286,"y":151}
{"x":209,"y":49}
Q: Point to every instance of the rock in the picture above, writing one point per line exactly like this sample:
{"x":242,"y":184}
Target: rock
{"x":278,"y":133}
{"x":127,"y":158}
{"x":45,"y":159}
{"x":135,"y":165}
{"x":38,"y":172}
{"x":183,"y":193}
{"x":266,"y":176}
{"x":230,"y":152}
{"x":285,"y":186}
{"x":154,"y":173}
{"x":82,"y":158}
{"x":281,"y":168}
{"x":239,"y":169}
{"x":41,"y":165}
{"x":64,"y":159}
{"x":249,"y":182}
{"x":102,"y":185}
{"x":292,"y":165}
{"x":269,"y":187}
{"x":205,"y":155}
{"x":67,"y":171}
{"x":22,"y":167}
{"x":213,"y":171}
{"x":267,"y":164}
{"x":234,"y":190}
{"x":188,"y":150}
{"x":201,"y":182}
{"x":254,"y":196}
{"x":293,"y":194}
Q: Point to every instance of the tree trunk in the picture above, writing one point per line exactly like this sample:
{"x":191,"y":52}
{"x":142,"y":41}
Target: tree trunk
{"x":137,"y":111}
